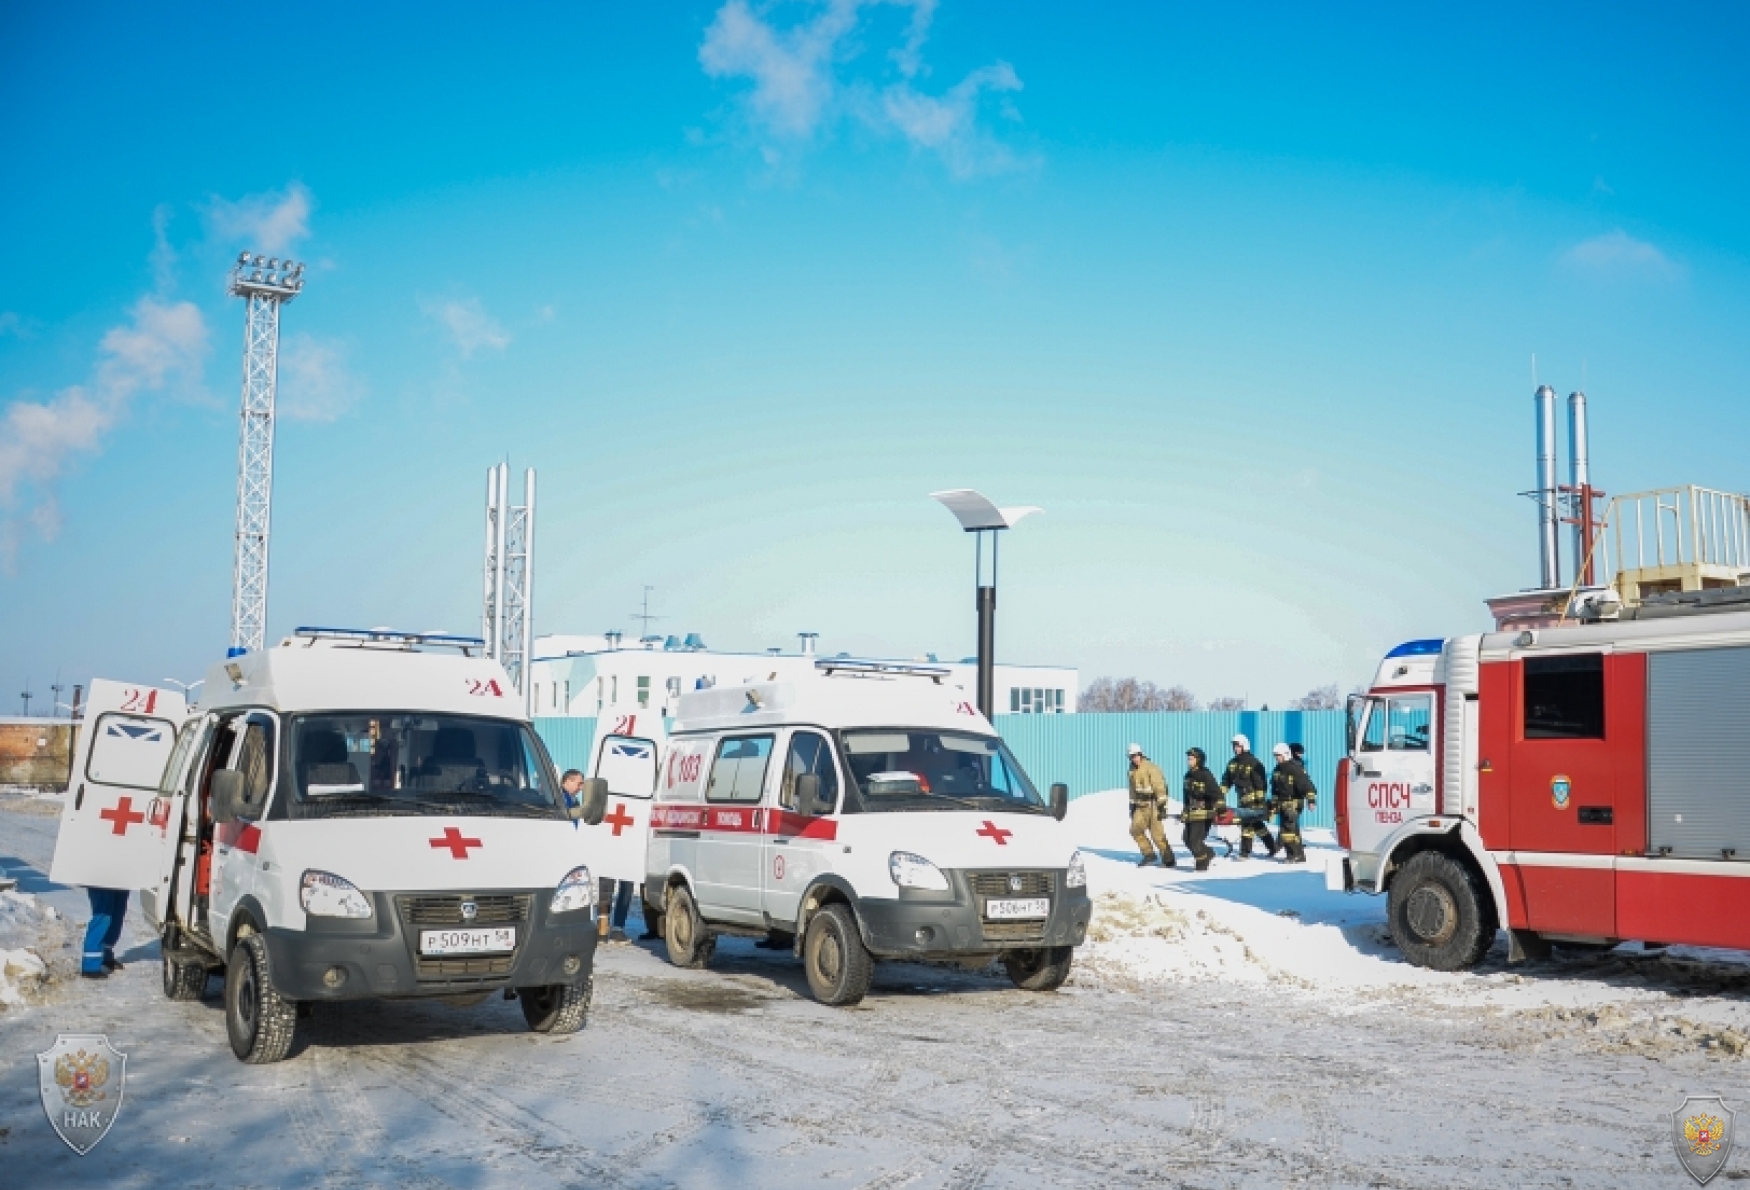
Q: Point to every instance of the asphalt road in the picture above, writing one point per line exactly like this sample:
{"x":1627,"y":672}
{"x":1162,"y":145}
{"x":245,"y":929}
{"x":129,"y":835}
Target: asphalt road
{"x":732,"y":1077}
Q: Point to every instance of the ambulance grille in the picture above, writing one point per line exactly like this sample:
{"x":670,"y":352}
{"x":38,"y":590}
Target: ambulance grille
{"x":447,"y":910}
{"x":989,"y":885}
{"x":479,"y":968}
{"x":996,"y":884}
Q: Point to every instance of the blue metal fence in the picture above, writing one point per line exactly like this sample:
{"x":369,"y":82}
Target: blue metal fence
{"x":1086,"y":752}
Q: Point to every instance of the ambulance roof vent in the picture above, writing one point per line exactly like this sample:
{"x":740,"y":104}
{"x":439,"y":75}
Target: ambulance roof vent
{"x":851,"y":667}
{"x":383,"y":638}
{"x":1418,"y":648}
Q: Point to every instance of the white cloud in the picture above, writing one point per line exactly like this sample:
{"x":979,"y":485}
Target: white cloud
{"x":1616,"y":253}
{"x":271,"y":223}
{"x":315,"y":383}
{"x":797,"y":90}
{"x":470,"y":326}
{"x":164,"y":343}
{"x":949,"y":124}
{"x":792,"y":79}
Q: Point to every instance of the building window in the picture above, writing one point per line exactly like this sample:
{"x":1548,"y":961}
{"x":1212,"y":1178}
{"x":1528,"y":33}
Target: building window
{"x":643,"y":690}
{"x":1014,"y":700}
{"x":567,"y":696}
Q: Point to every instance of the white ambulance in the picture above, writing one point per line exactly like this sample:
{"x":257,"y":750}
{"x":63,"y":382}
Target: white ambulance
{"x":866,"y":812}
{"x":350,"y":815}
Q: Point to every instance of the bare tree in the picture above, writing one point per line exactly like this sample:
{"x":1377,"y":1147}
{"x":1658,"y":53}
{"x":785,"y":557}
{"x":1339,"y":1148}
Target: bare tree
{"x":1177,"y":698}
{"x":1133,"y":694}
{"x":1227,"y":703}
{"x":1320,"y":698}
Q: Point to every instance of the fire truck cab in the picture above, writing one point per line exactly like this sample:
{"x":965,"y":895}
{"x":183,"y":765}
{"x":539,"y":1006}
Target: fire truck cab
{"x":867,"y":811}
{"x":1580,"y":784}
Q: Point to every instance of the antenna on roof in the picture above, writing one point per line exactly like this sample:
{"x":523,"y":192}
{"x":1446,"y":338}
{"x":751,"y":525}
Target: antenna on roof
{"x":645,"y":614}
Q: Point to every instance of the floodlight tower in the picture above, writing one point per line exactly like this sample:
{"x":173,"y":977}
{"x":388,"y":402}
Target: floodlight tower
{"x":265,"y":284}
{"x":507,"y":619}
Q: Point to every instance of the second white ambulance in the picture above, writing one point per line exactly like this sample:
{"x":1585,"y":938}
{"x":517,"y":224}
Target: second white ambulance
{"x":867,"y":812}
{"x":350,"y":815}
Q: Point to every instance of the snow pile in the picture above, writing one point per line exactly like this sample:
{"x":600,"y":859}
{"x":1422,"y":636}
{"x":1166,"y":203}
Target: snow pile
{"x":1259,"y":920}
{"x":23,"y":922}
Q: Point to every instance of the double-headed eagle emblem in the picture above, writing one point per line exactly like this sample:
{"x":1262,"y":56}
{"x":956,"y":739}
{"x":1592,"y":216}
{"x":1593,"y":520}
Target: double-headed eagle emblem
{"x":81,"y":1077}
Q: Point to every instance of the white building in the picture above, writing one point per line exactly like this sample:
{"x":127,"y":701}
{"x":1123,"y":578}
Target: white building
{"x":589,"y":675}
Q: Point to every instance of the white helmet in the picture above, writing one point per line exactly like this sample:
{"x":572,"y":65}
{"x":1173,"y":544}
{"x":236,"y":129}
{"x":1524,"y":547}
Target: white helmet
{"x":1243,"y":742}
{"x":1133,"y":750}
{"x":1282,"y":752}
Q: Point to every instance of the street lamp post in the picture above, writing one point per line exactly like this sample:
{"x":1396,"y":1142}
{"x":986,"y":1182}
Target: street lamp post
{"x":979,"y":516}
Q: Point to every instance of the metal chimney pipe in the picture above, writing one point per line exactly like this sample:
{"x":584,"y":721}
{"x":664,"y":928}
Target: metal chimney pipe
{"x":807,"y":639}
{"x":1579,"y":473}
{"x":1548,"y":551}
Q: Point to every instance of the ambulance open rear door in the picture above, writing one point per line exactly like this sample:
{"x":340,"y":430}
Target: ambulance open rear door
{"x":107,"y":837}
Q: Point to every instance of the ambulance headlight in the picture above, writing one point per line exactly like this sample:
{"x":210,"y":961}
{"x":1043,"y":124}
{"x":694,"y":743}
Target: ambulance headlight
{"x":914,"y":871}
{"x":1077,"y":876}
{"x":575,"y":892}
{"x":323,"y":894}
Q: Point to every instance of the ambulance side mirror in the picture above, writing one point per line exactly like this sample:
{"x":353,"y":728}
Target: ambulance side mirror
{"x":1059,"y":800}
{"x":592,"y":801}
{"x":808,"y":795}
{"x":227,"y":795}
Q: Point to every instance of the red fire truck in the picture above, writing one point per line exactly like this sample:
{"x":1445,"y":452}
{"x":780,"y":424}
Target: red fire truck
{"x":1585,"y":783}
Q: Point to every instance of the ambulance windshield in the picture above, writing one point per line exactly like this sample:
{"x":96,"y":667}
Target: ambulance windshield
{"x":936,"y":770}
{"x":376,"y":763}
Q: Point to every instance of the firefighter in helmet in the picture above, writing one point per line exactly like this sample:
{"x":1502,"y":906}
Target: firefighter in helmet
{"x":1148,"y":805}
{"x":1245,"y":776}
{"x":1292,"y":790}
{"x":1202,"y":796}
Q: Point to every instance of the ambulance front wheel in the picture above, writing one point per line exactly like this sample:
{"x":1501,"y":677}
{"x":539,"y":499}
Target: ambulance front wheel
{"x":1042,"y":970}
{"x":558,"y":1008}
{"x":1440,"y":916}
{"x":261,"y":1023}
{"x":839,"y":967}
{"x":690,"y":944}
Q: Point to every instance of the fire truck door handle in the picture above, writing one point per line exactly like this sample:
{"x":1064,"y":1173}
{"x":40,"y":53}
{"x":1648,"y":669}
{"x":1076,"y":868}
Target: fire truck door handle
{"x":1484,"y":766}
{"x":1368,"y":773}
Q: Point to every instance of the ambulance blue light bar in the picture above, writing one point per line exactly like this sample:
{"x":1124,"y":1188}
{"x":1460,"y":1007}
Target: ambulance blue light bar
{"x":389,"y":636}
{"x":1418,"y":648}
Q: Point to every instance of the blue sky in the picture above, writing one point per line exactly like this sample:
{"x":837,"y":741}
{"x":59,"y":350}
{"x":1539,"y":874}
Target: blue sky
{"x":1245,"y":298}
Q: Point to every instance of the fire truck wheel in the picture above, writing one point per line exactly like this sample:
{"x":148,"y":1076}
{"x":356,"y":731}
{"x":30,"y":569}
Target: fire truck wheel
{"x":1439,"y":916}
{"x":1042,"y":970}
{"x":262,"y":1025}
{"x":840,"y":968}
{"x":690,"y":944}
{"x":558,"y":1008}
{"x":184,"y":980}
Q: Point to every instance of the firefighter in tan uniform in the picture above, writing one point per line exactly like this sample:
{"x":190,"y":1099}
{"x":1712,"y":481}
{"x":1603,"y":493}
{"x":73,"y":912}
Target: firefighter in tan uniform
{"x":1291,"y":790}
{"x":1245,"y":776}
{"x":1202,"y":798}
{"x":1148,"y":803}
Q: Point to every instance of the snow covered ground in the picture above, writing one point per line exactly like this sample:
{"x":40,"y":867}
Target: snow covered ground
{"x":1205,"y":1040}
{"x":1258,"y":921}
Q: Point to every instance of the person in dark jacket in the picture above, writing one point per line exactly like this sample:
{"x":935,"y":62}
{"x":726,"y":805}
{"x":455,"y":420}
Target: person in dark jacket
{"x":1202,"y":796}
{"x":1245,"y":776}
{"x":1292,"y":790}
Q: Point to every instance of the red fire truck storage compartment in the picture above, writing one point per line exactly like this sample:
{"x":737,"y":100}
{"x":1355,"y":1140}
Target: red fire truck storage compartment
{"x":1574,"y":738}
{"x":1698,"y":754}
